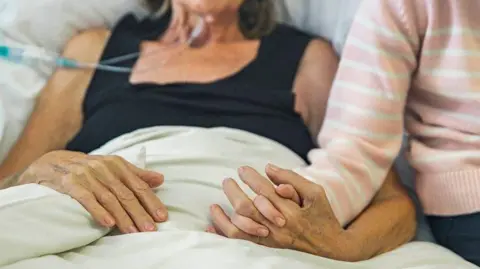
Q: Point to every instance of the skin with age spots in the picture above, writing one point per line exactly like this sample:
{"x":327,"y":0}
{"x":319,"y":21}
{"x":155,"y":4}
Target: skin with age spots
{"x":110,"y":188}
{"x":311,"y":225}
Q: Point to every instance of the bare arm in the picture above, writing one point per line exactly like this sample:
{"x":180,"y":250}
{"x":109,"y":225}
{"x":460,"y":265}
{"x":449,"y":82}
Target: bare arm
{"x":363,"y":127}
{"x":10,"y":181}
{"x":57,"y":116}
{"x":313,"y":83}
{"x":389,"y":221}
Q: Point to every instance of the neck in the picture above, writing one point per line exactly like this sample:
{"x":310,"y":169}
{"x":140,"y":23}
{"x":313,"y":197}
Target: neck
{"x":223,"y":31}
{"x":220,"y":29}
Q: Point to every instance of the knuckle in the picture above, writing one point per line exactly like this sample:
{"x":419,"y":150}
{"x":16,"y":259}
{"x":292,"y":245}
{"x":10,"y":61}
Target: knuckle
{"x":318,"y":195}
{"x":245,"y":208}
{"x":107,"y":198}
{"x":72,"y":184}
{"x":96,"y":164}
{"x":235,"y":233}
{"x":140,"y":187}
{"x":82,"y":196}
{"x":292,"y":216}
{"x":319,"y":190}
{"x":114,"y":159}
{"x":126,"y":195}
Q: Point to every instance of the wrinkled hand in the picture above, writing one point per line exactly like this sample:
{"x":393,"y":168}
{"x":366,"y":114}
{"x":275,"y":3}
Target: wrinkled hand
{"x":310,"y":226}
{"x":242,"y":208}
{"x":114,"y":191}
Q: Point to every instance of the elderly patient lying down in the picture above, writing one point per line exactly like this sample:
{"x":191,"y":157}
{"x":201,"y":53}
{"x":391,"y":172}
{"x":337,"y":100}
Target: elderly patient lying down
{"x":231,"y":90}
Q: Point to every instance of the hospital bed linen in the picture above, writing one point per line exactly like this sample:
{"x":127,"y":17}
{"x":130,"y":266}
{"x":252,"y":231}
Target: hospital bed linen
{"x":41,"y":228}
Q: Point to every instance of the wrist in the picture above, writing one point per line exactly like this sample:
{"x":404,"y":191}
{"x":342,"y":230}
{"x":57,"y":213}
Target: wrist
{"x":340,"y":245}
{"x":12,"y":181}
{"x":352,"y":246}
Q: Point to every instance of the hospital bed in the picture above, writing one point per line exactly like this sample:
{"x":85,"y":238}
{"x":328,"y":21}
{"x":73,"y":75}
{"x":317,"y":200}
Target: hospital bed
{"x":40,"y":228}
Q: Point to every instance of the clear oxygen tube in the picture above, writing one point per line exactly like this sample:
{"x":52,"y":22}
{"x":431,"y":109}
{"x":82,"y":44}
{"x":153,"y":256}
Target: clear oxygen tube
{"x":34,"y":55}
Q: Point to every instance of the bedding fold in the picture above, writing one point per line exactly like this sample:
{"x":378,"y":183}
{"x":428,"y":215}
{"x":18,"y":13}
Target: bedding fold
{"x":41,"y":228}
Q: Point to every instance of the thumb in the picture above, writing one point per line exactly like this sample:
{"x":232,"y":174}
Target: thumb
{"x":281,"y":176}
{"x":288,"y":192}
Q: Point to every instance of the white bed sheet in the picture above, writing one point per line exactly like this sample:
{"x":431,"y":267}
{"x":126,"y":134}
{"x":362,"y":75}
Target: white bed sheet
{"x":41,"y":228}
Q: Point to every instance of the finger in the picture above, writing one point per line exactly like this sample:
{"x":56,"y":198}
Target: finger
{"x":211,"y":229}
{"x":268,"y":210}
{"x":288,"y":192}
{"x":240,"y":201}
{"x":139,"y":182}
{"x":281,"y":176}
{"x":153,"y":179}
{"x":124,"y":190}
{"x":223,"y":224}
{"x":90,"y":203}
{"x":249,"y":226}
{"x":110,"y":202}
{"x":259,"y":184}
{"x":132,"y":177}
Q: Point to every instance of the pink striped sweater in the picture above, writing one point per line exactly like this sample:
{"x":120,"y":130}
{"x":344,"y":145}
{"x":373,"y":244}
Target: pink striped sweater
{"x":412,"y":64}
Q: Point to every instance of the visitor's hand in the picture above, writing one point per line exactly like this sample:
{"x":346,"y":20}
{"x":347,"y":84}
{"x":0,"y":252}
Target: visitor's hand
{"x":309,"y":227}
{"x":114,"y":191}
{"x":259,"y":208}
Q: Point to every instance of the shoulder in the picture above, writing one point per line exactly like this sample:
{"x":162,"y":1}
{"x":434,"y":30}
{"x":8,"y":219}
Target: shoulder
{"x":314,"y":80}
{"x":286,"y":31}
{"x":87,"y":45}
{"x":315,"y":48}
{"x":321,"y":50}
{"x":319,"y":56}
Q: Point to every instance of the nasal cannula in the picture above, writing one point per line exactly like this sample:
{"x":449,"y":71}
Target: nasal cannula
{"x":32,"y":55}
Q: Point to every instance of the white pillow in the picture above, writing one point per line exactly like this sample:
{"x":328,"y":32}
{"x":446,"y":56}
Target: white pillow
{"x":325,"y":18}
{"x":48,"y":24}
{"x":51,"y":23}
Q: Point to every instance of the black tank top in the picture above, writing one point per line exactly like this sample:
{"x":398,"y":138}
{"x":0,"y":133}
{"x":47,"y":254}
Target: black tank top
{"x":258,"y":99}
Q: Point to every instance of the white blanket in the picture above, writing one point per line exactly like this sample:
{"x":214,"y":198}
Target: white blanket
{"x":40,"y":228}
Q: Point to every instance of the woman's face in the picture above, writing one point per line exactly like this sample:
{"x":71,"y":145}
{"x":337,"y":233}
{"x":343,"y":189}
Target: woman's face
{"x":210,"y":7}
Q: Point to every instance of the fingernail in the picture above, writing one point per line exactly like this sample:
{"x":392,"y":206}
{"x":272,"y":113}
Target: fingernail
{"x":273,"y":168}
{"x":149,"y":226}
{"x":280,"y":221}
{"x":241,"y":170}
{"x":263,"y":232}
{"x":132,"y":230}
{"x":161,"y":215}
{"x":109,"y":222}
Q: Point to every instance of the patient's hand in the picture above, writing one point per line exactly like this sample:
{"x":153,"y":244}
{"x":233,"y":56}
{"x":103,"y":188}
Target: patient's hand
{"x":310,"y":226}
{"x":114,"y":191}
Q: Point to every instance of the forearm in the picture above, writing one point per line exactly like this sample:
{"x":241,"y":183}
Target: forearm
{"x":10,"y":181}
{"x":386,"y":224}
{"x":47,"y":130}
{"x":363,"y":128}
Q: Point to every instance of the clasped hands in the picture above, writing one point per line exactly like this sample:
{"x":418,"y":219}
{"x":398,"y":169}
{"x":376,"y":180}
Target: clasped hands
{"x":294,"y":213}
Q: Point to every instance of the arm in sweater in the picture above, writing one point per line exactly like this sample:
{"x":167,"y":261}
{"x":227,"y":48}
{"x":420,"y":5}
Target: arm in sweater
{"x":363,"y":128}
